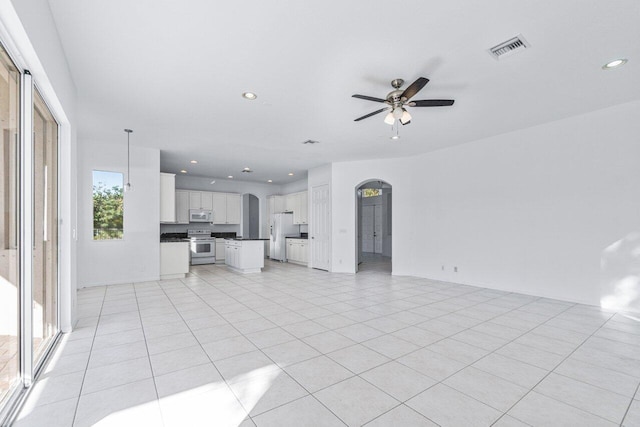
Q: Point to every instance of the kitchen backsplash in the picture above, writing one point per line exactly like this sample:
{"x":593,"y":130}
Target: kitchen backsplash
{"x":182,"y":228}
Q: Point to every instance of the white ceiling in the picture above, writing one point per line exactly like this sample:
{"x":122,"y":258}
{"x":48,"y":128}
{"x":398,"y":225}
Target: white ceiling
{"x":174,"y":72}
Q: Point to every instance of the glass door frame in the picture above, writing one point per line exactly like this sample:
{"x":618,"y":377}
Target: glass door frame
{"x":37,"y":367}
{"x":28,"y":371}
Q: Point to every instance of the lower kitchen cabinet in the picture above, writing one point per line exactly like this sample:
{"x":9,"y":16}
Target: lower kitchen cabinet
{"x":244,"y":256}
{"x":297,"y":251}
{"x":174,"y":260}
{"x":220,"y":251}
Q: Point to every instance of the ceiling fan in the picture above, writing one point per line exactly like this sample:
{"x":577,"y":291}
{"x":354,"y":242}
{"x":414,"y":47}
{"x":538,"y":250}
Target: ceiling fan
{"x":397,"y":101}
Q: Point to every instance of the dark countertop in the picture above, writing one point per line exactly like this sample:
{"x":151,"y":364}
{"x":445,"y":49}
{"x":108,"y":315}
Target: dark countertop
{"x":240,"y":239}
{"x":297,"y":237}
{"x":179,"y":237}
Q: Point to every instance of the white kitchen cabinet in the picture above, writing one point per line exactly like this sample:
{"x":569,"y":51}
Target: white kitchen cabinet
{"x":297,"y":251}
{"x":182,"y":206}
{"x":290,"y":202}
{"x":220,"y":251}
{"x":219,"y":201}
{"x":201,"y":200}
{"x":233,"y":208}
{"x":300,"y":208}
{"x":226,"y":208}
{"x":304,"y":207}
{"x":167,"y":197}
{"x":206,"y":200}
{"x":195,"y":199}
{"x":244,"y":256}
{"x":174,"y":260}
{"x":276,"y":204}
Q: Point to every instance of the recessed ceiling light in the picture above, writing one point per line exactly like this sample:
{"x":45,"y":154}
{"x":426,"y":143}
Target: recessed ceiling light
{"x":230,"y":176}
{"x":290,"y":173}
{"x":269,"y":180}
{"x":194,"y":161}
{"x":213,"y":182}
{"x":615,"y":63}
{"x":249,"y":95}
{"x":183,"y":171}
{"x":395,"y":137}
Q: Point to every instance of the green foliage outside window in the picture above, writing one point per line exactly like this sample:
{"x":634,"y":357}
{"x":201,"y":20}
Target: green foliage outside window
{"x":108,"y":201}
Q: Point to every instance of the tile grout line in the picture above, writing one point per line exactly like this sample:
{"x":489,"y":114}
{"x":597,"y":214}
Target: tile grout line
{"x":630,"y":403}
{"x":146,"y":346}
{"x":84,"y":375}
{"x":267,"y":356}
{"x":552,"y":371}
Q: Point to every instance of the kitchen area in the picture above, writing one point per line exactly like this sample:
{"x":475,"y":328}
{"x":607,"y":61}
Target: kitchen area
{"x":236,"y":229}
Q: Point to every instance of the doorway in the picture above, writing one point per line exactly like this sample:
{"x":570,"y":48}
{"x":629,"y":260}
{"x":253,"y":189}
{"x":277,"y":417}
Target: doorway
{"x":250,"y":217}
{"x":374,"y":210}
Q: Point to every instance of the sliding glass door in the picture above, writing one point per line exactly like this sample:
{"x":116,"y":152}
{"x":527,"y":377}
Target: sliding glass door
{"x":10,"y":374}
{"x":45,"y":247}
{"x":28,"y":232}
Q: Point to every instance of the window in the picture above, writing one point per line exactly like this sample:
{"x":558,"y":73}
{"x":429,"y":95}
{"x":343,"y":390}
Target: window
{"x":371,"y":192}
{"x":108,"y":213}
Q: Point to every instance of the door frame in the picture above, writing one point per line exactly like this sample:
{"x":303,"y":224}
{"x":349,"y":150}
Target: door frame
{"x":358,"y":216}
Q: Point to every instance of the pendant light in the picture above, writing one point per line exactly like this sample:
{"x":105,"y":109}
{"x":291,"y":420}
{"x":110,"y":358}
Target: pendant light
{"x":127,"y":186}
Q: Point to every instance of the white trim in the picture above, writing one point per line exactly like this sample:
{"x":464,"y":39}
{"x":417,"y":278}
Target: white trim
{"x":26,"y":227}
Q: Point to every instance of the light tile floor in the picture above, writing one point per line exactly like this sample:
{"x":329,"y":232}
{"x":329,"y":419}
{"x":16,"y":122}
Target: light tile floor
{"x":300,"y":347}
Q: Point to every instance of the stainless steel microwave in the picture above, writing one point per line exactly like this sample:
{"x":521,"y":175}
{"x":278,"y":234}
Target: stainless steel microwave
{"x":200,"y":215}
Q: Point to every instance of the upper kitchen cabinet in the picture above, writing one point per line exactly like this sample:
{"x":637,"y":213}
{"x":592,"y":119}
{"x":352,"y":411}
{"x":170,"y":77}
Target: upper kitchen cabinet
{"x":290,"y":201}
{"x":276,"y":204}
{"x":301,"y":208}
{"x":201,"y":200}
{"x":167,"y":197}
{"x":182,"y":206}
{"x":226,"y":208}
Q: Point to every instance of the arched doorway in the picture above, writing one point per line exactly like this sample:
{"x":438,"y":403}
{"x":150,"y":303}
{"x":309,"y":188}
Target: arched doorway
{"x":250,"y":216}
{"x":373,"y":226}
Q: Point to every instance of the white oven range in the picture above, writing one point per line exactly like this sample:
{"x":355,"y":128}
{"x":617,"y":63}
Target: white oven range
{"x":203,"y":247}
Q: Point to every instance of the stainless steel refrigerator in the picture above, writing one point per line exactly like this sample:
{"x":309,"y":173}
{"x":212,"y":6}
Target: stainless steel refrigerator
{"x":281,"y":227}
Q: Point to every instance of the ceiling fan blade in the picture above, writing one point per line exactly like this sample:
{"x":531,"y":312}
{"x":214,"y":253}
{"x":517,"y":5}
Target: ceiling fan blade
{"x":432,"y":103}
{"x":414,"y":88}
{"x":369,"y":98}
{"x":371,"y":114}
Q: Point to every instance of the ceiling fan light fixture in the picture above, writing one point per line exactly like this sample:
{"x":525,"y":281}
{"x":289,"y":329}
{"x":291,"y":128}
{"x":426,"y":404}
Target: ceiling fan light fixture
{"x":389,"y":119}
{"x":406,"y":117}
{"x":397,"y":112}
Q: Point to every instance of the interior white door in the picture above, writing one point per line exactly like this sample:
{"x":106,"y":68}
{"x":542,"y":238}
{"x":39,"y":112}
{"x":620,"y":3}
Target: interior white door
{"x":368,"y":214}
{"x":377,"y":229}
{"x":372,"y":229}
{"x":320,"y":227}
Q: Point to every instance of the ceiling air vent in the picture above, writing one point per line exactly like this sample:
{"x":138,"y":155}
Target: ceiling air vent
{"x":311,"y":141}
{"x":509,"y":47}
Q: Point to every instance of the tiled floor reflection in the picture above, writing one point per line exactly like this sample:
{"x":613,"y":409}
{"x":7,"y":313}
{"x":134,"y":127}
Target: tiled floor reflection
{"x":300,"y":347}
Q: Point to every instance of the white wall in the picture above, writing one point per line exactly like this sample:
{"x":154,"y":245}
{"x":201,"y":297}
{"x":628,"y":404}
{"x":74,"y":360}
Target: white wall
{"x":136,"y":258}
{"x":553,"y":210}
{"x":294,"y":187}
{"x":28,"y":32}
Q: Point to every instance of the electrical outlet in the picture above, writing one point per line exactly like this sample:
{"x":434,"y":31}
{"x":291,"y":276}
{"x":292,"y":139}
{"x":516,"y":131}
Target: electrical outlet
{"x":443,"y":268}
{"x":455,"y":269}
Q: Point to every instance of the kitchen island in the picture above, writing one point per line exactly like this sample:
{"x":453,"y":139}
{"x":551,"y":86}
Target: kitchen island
{"x":174,"y":258}
{"x":244,"y":255}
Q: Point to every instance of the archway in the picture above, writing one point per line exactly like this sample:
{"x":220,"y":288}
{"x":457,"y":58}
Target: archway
{"x":373,"y":226}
